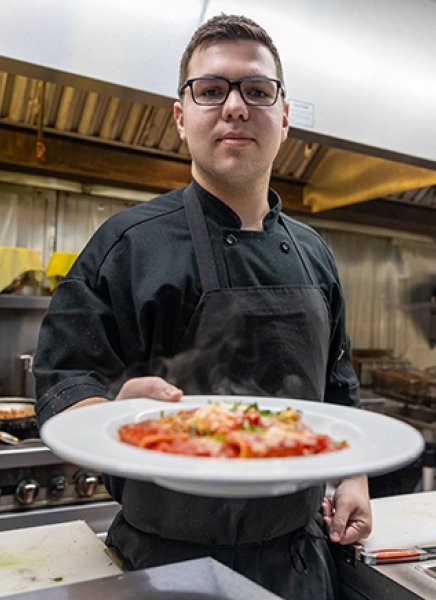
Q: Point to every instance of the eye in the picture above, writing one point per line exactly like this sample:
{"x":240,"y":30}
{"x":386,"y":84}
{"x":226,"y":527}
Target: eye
{"x":212,"y":92}
{"x":260,"y":89}
{"x":210,"y":89}
{"x":256,"y":92}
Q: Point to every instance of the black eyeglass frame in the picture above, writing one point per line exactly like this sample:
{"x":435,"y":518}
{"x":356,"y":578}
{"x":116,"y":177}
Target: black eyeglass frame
{"x":280,"y":89}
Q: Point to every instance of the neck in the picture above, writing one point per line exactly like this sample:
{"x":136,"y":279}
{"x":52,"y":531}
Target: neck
{"x":250,"y":202}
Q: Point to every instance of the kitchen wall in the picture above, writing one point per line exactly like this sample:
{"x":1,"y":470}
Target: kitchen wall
{"x":388,"y":277}
{"x":50,"y":220}
{"x":388,"y":281}
{"x":46,"y":220}
{"x":27,"y":218}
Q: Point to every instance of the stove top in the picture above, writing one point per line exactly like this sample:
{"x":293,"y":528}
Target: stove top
{"x":32,"y":476}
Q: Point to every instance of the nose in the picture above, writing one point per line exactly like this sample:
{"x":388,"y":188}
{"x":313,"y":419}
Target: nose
{"x":234,"y":107}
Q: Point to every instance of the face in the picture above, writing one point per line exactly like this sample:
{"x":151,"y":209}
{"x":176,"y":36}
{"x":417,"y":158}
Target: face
{"x":233,"y":143}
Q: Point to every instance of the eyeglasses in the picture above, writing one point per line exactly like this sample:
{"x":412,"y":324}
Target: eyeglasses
{"x":214,"y":91}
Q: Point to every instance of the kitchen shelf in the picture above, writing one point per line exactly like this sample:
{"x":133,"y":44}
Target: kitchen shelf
{"x":17,"y":301}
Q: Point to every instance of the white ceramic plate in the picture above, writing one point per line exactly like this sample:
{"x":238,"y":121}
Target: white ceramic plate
{"x":88,"y":437}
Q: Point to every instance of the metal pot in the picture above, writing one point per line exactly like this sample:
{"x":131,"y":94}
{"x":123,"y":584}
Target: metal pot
{"x":17,"y":417}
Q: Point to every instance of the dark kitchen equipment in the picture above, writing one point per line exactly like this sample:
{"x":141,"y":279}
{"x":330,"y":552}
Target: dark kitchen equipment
{"x":20,"y":321}
{"x":408,"y":395}
{"x":365,"y":361}
{"x":36,"y":486}
{"x":39,"y":488}
{"x":413,"y":386}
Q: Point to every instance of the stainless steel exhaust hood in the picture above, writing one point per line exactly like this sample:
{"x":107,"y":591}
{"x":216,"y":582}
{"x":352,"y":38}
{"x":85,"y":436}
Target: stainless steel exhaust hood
{"x":360,"y":71}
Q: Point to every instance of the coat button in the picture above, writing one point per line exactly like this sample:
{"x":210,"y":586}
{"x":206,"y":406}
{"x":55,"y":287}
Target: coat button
{"x":230,"y":239}
{"x":284,"y":247}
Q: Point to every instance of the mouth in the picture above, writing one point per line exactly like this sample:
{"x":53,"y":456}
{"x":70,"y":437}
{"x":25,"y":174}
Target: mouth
{"x":236,"y":139}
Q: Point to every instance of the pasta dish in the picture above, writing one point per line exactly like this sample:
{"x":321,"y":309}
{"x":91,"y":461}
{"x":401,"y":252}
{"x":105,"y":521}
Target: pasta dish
{"x":225,"y":430}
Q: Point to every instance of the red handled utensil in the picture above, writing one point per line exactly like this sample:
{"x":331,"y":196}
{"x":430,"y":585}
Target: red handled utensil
{"x":396,"y":555}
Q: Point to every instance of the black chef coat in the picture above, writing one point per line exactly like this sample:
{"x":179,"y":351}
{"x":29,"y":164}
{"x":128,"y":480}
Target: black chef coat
{"x":125,"y":304}
{"x":139,"y":279}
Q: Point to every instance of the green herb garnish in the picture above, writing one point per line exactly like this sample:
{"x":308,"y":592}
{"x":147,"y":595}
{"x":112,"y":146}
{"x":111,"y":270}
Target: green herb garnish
{"x":254,"y":428}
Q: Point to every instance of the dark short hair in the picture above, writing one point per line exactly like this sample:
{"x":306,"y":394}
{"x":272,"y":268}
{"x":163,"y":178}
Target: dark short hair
{"x":231,"y":28}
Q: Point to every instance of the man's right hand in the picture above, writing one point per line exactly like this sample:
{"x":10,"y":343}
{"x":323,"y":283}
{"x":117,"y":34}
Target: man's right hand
{"x":150,"y":387}
{"x":139,"y":387}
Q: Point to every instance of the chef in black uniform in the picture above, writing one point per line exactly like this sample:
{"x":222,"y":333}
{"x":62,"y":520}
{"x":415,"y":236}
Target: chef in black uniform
{"x":212,"y":290}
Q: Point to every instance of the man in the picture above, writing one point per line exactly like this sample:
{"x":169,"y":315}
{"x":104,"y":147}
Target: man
{"x":213,"y":290}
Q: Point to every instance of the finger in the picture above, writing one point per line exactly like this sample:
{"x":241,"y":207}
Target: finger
{"x":354,"y":533}
{"x":357,"y":531}
{"x":350,"y":537}
{"x":327,"y":507}
{"x":337,"y":526}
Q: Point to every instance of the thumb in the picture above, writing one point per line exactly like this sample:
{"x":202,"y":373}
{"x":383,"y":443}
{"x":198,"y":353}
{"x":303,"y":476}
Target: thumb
{"x":150,"y":387}
{"x":162,"y":390}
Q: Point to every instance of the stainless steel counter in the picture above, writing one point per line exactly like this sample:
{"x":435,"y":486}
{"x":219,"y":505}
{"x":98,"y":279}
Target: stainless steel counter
{"x":201,"y":579}
{"x":98,"y":515}
{"x":407,"y":581}
{"x":401,"y":521}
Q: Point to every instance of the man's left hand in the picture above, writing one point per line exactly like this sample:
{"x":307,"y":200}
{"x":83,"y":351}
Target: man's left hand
{"x":347,"y":515}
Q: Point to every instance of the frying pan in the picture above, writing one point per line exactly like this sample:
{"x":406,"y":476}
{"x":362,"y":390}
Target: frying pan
{"x":17,"y":416}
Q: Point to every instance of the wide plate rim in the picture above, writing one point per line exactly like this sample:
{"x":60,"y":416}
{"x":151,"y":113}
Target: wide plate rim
{"x":94,"y":447}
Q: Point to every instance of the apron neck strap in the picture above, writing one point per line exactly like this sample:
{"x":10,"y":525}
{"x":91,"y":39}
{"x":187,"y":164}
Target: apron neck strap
{"x":203,"y":248}
{"x":301,"y":253}
{"x":200,"y":240}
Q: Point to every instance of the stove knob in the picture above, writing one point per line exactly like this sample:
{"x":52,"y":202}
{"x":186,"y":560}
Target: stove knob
{"x":57,"y":485}
{"x":86,"y":484}
{"x":27,"y":491}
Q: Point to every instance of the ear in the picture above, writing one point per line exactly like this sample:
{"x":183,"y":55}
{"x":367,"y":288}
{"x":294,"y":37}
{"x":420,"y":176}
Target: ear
{"x":178,"y":117}
{"x":286,"y":120}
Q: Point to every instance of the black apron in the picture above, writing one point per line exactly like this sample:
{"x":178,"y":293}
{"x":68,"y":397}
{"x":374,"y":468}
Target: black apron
{"x":270,"y":341}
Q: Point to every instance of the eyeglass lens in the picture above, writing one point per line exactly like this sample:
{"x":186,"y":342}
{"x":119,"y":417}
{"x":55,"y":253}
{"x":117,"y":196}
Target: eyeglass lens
{"x":258,"y":92}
